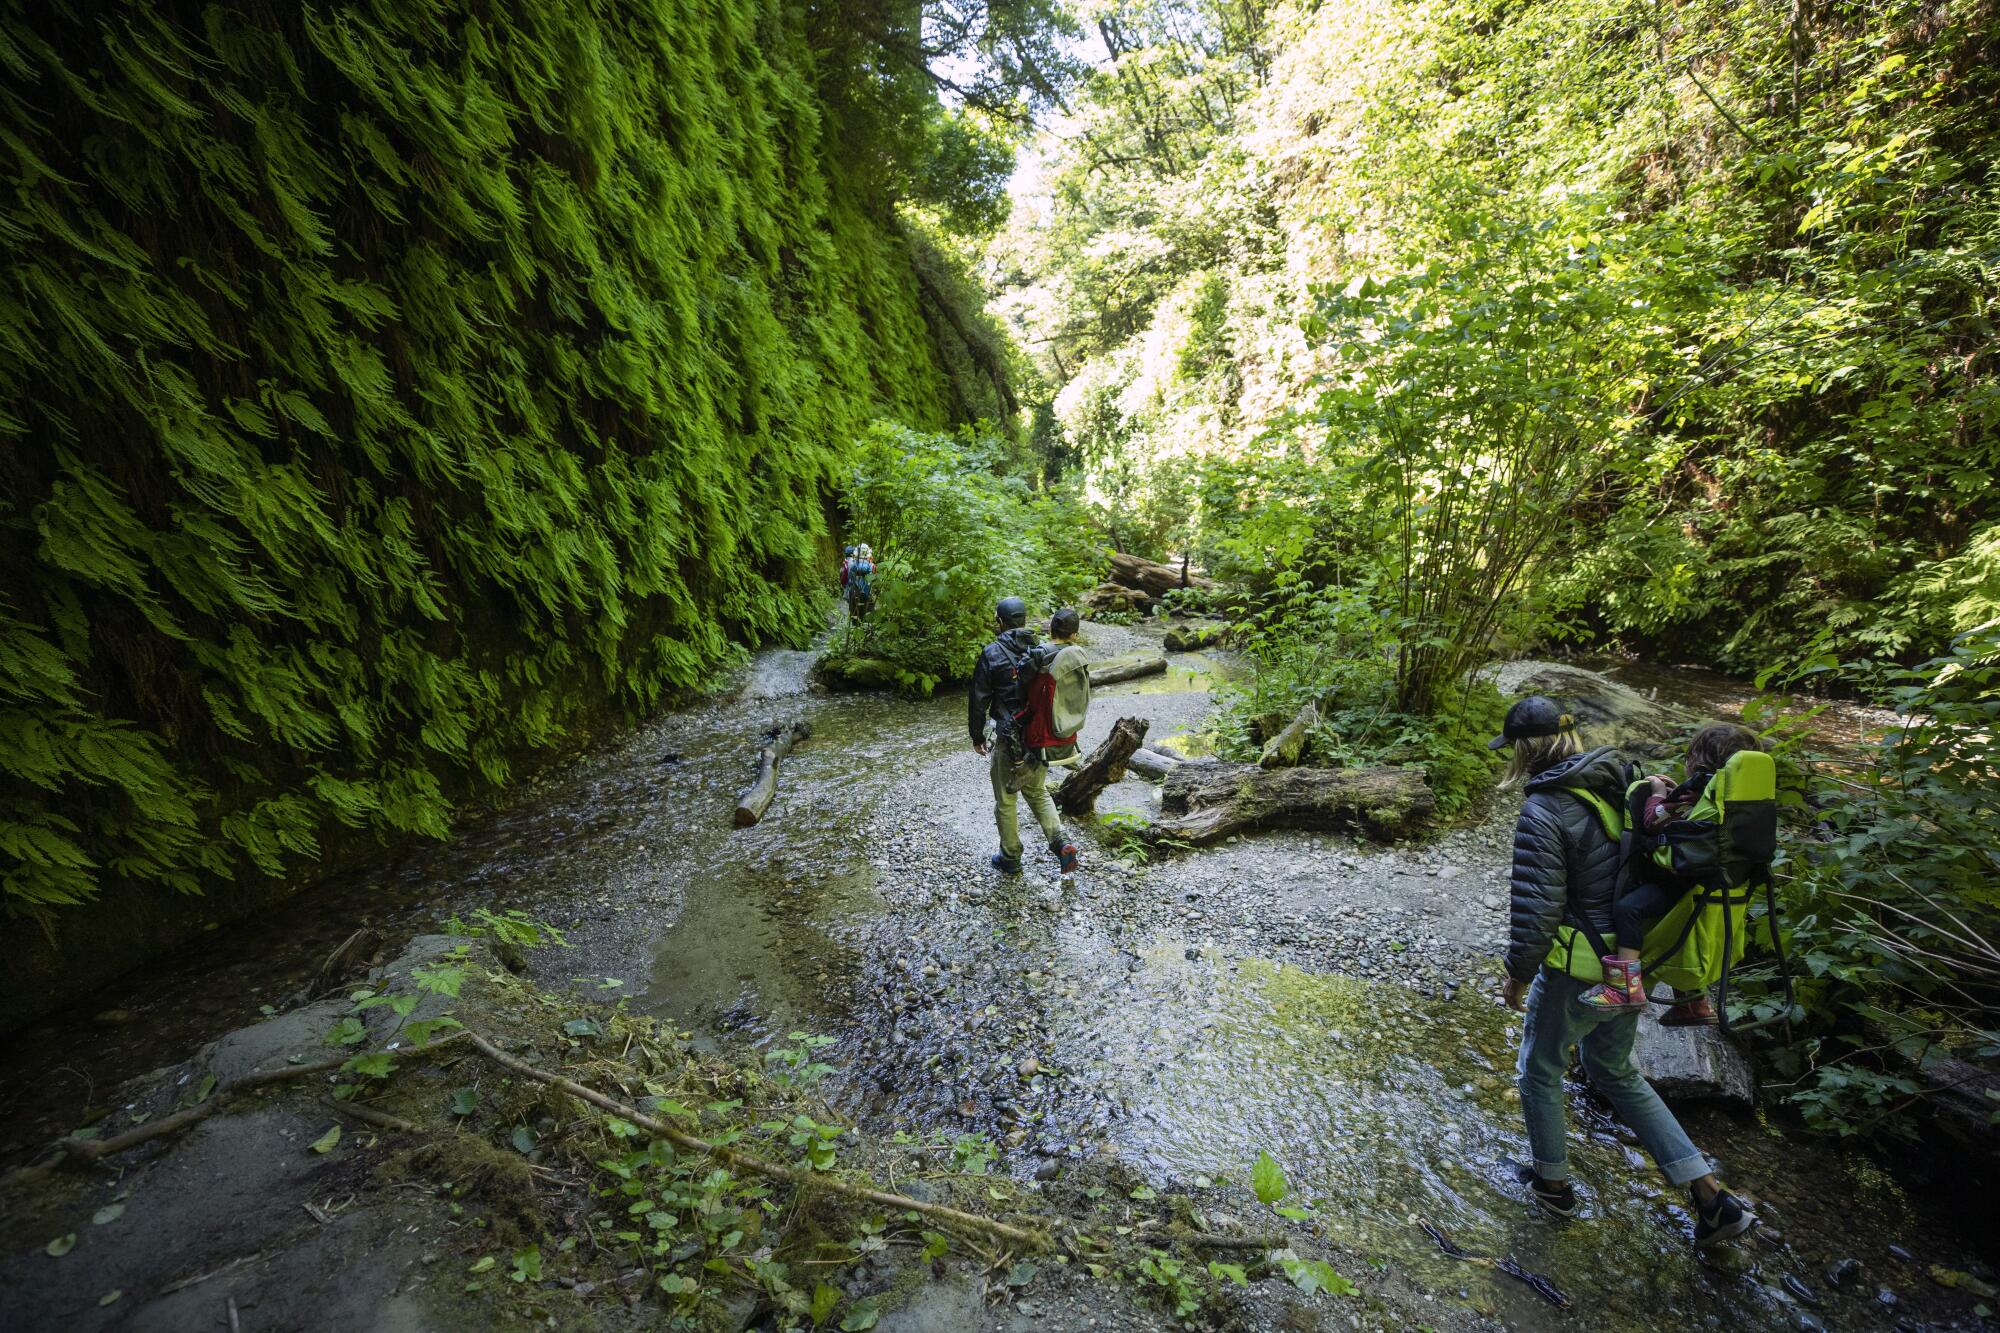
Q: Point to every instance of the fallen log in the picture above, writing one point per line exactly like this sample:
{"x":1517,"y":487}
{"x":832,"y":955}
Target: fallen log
{"x":1114,"y":669}
{"x":1101,"y":767}
{"x":1115,"y":597}
{"x":1151,"y":577}
{"x":1207,"y":802}
{"x":750,"y":807}
{"x":742,"y":1161}
{"x":1151,"y":763}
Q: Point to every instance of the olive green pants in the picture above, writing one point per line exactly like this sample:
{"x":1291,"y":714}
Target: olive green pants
{"x":1031,"y":781}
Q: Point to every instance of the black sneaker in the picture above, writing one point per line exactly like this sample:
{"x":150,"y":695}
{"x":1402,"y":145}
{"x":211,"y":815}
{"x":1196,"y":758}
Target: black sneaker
{"x":1557,"y":1198}
{"x":1005,"y":864}
{"x":1724,"y":1217}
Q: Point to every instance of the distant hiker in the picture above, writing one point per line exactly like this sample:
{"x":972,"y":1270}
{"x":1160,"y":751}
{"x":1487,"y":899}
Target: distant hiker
{"x":1649,"y":897}
{"x":1000,"y":686}
{"x":858,"y":579}
{"x":846,"y":559}
{"x":1566,"y":867}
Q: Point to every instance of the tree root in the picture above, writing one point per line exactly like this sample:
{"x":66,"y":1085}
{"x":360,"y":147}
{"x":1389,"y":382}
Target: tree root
{"x":803,"y":1180}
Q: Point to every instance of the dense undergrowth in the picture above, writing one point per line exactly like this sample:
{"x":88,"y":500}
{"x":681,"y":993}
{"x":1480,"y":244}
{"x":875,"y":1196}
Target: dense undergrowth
{"x":389,"y":389}
{"x":955,"y":526}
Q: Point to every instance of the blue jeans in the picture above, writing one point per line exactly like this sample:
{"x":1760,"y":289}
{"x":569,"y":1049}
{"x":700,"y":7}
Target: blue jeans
{"x":1558,"y":1020}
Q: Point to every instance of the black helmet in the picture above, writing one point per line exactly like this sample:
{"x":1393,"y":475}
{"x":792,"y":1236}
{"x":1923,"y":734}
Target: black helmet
{"x":1011,"y":612}
{"x":1064,"y":623}
{"x":1536,"y":715}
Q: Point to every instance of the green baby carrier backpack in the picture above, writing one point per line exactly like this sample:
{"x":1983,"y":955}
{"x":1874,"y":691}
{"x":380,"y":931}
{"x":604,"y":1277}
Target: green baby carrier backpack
{"x":1719,"y":853}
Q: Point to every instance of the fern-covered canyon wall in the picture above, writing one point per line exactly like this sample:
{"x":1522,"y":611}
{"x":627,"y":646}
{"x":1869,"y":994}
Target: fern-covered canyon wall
{"x":392,"y":389}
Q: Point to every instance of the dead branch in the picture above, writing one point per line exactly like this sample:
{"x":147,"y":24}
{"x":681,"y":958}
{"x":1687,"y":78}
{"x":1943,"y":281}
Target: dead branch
{"x":802,"y":1180}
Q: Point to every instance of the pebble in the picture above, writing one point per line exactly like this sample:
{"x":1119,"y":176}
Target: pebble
{"x":1843,"y":1272}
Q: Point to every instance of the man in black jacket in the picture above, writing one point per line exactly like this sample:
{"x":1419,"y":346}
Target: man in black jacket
{"x":1566,"y":863}
{"x":1000,"y":692}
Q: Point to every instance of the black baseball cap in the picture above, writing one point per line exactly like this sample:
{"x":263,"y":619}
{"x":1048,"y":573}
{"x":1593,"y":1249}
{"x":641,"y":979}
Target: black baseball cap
{"x":1011,"y":612}
{"x":1536,"y":715}
{"x":1065,"y":622}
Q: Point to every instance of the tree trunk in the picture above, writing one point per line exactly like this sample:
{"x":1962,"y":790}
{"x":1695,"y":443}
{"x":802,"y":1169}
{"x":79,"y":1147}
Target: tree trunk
{"x":1101,"y":767}
{"x":779,"y":742}
{"x":1208,"y":802}
{"x":1114,"y":669}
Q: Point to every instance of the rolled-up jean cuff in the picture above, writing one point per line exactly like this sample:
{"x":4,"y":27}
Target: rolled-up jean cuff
{"x":1556,"y":1172}
{"x":1683,"y":1170}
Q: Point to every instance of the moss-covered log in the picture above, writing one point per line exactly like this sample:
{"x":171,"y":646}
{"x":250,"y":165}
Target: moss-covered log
{"x":1205,"y":803}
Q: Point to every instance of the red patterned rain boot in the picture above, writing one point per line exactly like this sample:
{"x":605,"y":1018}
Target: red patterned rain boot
{"x":1621,"y":986}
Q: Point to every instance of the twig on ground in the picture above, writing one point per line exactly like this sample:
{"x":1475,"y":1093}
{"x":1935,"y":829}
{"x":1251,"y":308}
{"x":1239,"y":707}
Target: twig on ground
{"x":90,"y":1150}
{"x":369,"y":1115}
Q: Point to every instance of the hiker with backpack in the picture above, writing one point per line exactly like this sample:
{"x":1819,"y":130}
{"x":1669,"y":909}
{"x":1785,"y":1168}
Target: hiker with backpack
{"x":1002,"y":682}
{"x":1567,"y":869}
{"x":1654,"y":890}
{"x":857,"y":577}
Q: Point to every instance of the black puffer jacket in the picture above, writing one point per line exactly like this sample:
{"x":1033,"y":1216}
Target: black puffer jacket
{"x":1563,"y":857}
{"x":996,"y":682}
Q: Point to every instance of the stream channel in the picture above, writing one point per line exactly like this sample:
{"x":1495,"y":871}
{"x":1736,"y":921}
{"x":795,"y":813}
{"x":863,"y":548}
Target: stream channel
{"x":1326,"y":1001}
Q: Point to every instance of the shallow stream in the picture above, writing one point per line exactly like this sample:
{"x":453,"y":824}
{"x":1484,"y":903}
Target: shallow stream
{"x":1290,"y":993}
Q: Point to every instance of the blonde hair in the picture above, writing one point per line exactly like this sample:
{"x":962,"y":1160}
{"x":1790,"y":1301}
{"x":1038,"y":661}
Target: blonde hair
{"x":1533,"y":754}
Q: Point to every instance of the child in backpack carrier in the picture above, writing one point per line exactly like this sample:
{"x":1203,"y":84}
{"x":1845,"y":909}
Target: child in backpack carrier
{"x":1649,"y":898}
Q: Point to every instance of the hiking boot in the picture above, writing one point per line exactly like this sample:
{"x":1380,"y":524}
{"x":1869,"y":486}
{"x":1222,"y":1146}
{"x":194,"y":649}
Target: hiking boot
{"x":1621,"y":986}
{"x":1066,"y":854}
{"x":1557,"y":1198}
{"x":1005,"y":864}
{"x":1724,"y":1217}
{"x":1692,"y":1012}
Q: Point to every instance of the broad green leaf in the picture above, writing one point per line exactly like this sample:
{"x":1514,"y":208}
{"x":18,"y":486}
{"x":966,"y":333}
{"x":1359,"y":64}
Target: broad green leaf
{"x":1267,"y":1179}
{"x":324,"y":1143}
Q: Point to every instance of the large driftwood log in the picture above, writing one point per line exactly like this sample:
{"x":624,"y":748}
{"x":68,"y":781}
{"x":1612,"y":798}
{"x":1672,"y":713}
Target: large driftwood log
{"x":1151,"y":763}
{"x":750,"y":807}
{"x":1150,"y":577}
{"x":1114,"y":669}
{"x":1207,"y":802}
{"x":1101,"y":767}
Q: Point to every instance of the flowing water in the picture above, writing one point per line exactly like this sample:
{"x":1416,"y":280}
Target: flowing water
{"x":1159,"y":1015}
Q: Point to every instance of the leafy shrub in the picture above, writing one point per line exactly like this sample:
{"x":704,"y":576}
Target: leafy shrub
{"x":1336,"y":648}
{"x":951,"y":537}
{"x":1892,"y":901}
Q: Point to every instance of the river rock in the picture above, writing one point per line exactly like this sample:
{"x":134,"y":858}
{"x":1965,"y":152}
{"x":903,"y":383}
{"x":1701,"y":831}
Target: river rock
{"x":1607,"y":713}
{"x":1194,"y":636}
{"x":1694,"y":1064}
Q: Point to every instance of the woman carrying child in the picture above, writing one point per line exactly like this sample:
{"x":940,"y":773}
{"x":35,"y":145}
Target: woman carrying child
{"x":1566,"y":865}
{"x":1646,"y":898}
